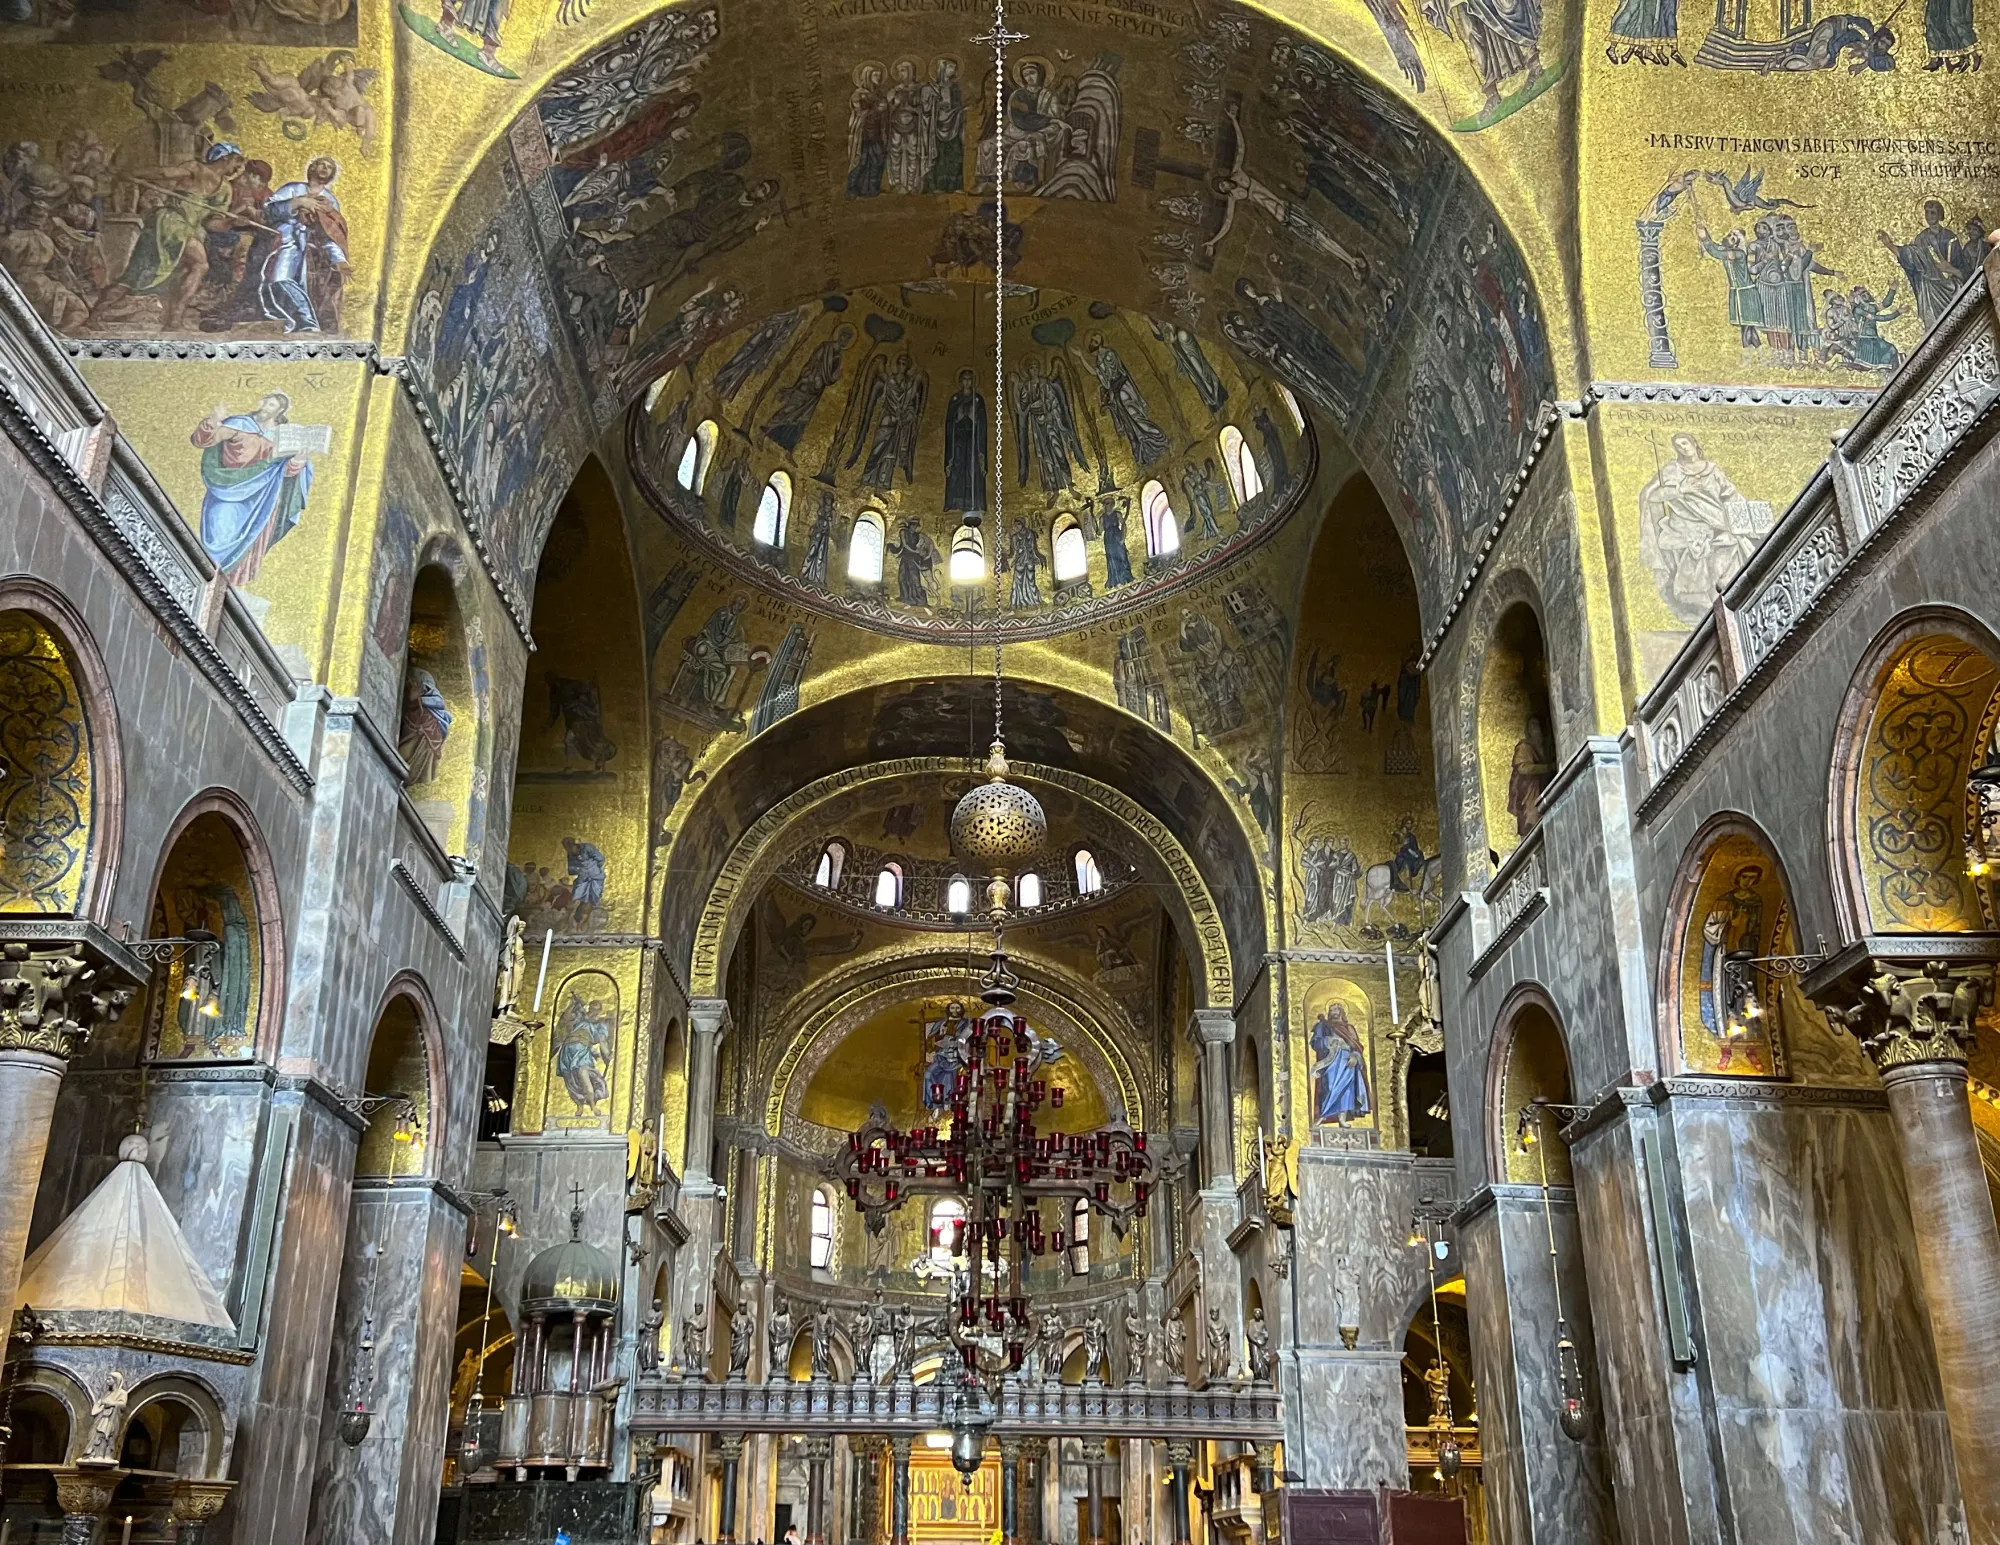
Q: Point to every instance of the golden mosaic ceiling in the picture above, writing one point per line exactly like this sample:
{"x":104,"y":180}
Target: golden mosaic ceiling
{"x":834,"y":449}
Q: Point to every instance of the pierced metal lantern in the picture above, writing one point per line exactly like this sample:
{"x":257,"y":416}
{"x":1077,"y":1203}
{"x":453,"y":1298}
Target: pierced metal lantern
{"x":998,"y":823}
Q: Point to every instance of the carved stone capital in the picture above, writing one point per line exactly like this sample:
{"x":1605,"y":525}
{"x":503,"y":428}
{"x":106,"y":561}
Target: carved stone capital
{"x":52,"y":999}
{"x":1212,"y":1027}
{"x":196,"y":1502}
{"x":1906,"y":1014}
{"x":1180,"y":1455}
{"x":86,"y":1491}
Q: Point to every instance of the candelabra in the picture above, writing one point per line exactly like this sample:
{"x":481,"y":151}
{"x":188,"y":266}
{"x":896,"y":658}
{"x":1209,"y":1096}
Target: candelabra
{"x":989,"y":1152}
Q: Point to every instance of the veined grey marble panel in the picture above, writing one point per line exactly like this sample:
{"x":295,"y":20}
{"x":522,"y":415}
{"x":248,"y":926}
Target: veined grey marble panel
{"x":404,"y":1244}
{"x":1828,"y":1412}
{"x":1542,"y":1488}
{"x":203,"y":1154}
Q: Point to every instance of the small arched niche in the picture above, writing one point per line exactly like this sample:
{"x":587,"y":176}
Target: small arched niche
{"x":48,"y":773}
{"x":399,"y":1074}
{"x":1721,"y":1016}
{"x":1924,"y":722}
{"x":438,"y":712}
{"x":41,"y":1428}
{"x":207,"y":1004}
{"x":1516,"y":742}
{"x":1533,"y":1072}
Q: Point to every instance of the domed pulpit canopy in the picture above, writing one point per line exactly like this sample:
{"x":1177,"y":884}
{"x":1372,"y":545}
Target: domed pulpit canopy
{"x":571,"y":1277}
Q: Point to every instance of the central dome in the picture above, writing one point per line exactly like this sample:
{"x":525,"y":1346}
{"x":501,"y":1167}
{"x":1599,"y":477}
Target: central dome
{"x":834,"y":451}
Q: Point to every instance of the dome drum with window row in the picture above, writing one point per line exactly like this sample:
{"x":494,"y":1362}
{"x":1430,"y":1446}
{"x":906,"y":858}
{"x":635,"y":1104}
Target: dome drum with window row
{"x":944,"y":891}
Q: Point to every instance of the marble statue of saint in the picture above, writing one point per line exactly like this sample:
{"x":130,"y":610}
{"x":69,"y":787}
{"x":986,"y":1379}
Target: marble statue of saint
{"x":1218,"y":1346}
{"x":778,"y":1335}
{"x":107,"y":1415}
{"x":1138,"y":1340}
{"x":742,"y":1337}
{"x":1176,"y":1349}
{"x":1094,"y":1332}
{"x":822,"y":1333}
{"x":513,"y":964}
{"x":1258,"y":1334}
{"x":648,"y":1352}
{"x":694,"y":1340}
{"x":1052,"y":1334}
{"x":903,"y":1329}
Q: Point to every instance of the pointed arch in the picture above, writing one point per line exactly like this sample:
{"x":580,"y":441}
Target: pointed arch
{"x":774,"y":510}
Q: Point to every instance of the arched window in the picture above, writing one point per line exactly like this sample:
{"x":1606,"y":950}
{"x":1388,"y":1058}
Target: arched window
{"x":958,"y":896}
{"x":820,"y":1250}
{"x":1163,"y":528}
{"x":1292,"y":407}
{"x":1245,"y":481}
{"x":1028,"y":891}
{"x":826,"y":875}
{"x":889,"y":886}
{"x":654,"y":393}
{"x":947,"y":1230}
{"x":1089,"y":878}
{"x":968,"y":557}
{"x":1079,"y":1237}
{"x":695,"y":458}
{"x":774,"y":510}
{"x":864,"y":549}
{"x":1069,"y":550}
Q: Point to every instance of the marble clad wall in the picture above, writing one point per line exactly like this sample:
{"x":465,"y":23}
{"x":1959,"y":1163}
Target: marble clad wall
{"x":281,"y":1424}
{"x":1811,"y":1321}
{"x":1540,"y":1486}
{"x":1659,"y":1465}
{"x":1355,"y":1266}
{"x":385,"y":1489}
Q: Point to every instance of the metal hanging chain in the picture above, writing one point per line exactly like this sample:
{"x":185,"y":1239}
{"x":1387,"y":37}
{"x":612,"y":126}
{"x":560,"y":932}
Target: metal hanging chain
{"x":999,"y":37}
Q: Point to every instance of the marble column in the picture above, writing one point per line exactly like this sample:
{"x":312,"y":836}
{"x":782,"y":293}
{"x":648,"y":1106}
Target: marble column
{"x":731,"y":1445}
{"x":708,"y":1023}
{"x":819,"y":1454}
{"x":1214,"y":1031}
{"x":868,"y":1499}
{"x":1180,"y":1456}
{"x":701,"y":1195}
{"x":1010,"y":1490}
{"x":1915,"y":1018}
{"x":899,"y":1501}
{"x":1093,"y":1483}
{"x":47,"y":1011}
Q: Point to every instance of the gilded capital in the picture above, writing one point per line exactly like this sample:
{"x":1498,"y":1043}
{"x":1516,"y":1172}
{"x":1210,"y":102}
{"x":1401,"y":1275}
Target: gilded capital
{"x":52,"y":999}
{"x":196,"y":1502}
{"x":1904,"y":1014}
{"x":87,"y":1492}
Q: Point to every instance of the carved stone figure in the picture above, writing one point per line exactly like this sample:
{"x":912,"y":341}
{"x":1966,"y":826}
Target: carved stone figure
{"x":903,"y":1338}
{"x":1176,"y":1349}
{"x":742,"y":1337}
{"x":648,"y":1350}
{"x":693,"y":1354}
{"x":778,"y":1335}
{"x":1258,"y":1334}
{"x":1218,"y":1347}
{"x":1051,"y":1347}
{"x":1094,"y":1337}
{"x":1138,"y":1340}
{"x":822,"y":1333}
{"x":107,"y":1415}
{"x":513,"y":963}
